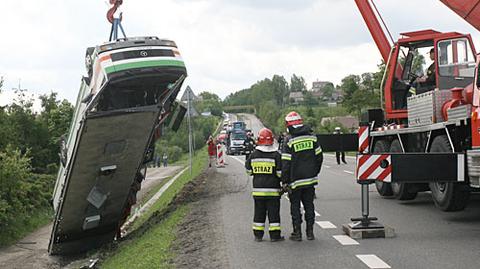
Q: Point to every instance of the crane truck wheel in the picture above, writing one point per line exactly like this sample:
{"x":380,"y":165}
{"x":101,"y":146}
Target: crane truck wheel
{"x":402,"y":191}
{"x":448,"y":196}
{"x":384,"y":189}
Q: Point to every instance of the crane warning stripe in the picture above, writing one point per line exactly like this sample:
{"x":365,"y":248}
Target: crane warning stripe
{"x":363,"y":139}
{"x":369,"y":167}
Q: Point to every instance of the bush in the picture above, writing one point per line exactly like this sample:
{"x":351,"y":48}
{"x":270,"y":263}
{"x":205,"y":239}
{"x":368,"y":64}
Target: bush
{"x":176,"y":143}
{"x":24,"y":196}
{"x":14,"y":170}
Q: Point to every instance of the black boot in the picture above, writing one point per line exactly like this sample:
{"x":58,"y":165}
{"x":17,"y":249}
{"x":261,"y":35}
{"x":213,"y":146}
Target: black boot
{"x":309,"y":231}
{"x":297,"y":233}
{"x":277,"y":239}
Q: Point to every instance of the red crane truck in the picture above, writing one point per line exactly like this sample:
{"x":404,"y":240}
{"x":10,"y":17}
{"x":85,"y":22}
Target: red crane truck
{"x":425,"y":137}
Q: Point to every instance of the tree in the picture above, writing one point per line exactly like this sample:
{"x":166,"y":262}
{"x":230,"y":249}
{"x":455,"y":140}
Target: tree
{"x":210,"y":102}
{"x":349,"y":85}
{"x":309,"y":99}
{"x":328,"y":91}
{"x":297,"y":84}
{"x":280,"y":89}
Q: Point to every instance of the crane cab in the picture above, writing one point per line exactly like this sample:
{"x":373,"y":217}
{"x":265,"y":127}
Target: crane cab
{"x":453,"y":64}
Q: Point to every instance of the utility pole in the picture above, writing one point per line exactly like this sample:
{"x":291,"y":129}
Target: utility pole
{"x":189,"y":121}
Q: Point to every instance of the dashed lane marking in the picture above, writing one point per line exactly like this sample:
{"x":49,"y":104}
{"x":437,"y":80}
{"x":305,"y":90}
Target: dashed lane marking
{"x":326,"y":166}
{"x":326,"y":225}
{"x":348,"y":172}
{"x":286,"y":197}
{"x":345,"y":240}
{"x":372,"y":261}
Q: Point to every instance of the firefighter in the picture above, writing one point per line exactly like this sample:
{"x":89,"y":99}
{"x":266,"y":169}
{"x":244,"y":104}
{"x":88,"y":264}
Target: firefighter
{"x":249,"y":144}
{"x":265,"y":165}
{"x":301,"y":162}
{"x":429,"y":81}
{"x":338,"y":131}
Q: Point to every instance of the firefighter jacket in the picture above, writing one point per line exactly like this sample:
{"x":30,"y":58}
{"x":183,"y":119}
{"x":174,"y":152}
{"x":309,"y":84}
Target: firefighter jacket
{"x":264,"y":164}
{"x":302,"y":159}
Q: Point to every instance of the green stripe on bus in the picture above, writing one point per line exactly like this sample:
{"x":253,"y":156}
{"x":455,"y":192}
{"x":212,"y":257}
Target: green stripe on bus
{"x":126,"y":66}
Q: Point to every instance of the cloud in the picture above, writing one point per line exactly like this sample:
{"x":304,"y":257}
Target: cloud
{"x":227,"y":44}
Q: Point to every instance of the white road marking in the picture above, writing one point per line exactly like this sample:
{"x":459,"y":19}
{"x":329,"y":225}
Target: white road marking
{"x":326,"y":225}
{"x":345,"y":240}
{"x":326,"y":166}
{"x":372,"y":261}
{"x":152,"y":200}
{"x":286,"y":197}
{"x":348,"y":172}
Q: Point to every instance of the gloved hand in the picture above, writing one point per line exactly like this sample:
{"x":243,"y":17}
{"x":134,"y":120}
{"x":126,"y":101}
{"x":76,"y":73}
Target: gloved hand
{"x":286,"y":188}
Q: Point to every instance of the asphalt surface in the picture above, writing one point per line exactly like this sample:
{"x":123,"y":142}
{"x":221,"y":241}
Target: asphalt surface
{"x":425,"y":236}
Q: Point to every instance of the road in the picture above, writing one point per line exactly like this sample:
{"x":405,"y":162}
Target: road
{"x":425,"y":236}
{"x":32,"y":251}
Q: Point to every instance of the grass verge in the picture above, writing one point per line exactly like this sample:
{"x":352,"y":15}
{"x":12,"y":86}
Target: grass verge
{"x":23,"y":225}
{"x":151,"y":249}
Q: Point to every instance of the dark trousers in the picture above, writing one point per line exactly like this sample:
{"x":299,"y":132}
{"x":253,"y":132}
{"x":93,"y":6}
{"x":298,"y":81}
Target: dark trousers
{"x":337,"y":154}
{"x":264,"y":207}
{"x":305,"y":196}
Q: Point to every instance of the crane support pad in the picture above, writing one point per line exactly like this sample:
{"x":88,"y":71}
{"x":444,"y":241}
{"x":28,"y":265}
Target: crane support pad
{"x":411,"y":167}
{"x":338,"y":142}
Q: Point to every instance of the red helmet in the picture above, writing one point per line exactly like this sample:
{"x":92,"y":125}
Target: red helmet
{"x":293,"y":119}
{"x":265,"y":137}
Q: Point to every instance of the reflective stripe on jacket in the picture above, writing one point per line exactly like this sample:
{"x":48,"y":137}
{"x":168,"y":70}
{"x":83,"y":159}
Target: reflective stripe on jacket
{"x":302,"y":159}
{"x":266,"y":169}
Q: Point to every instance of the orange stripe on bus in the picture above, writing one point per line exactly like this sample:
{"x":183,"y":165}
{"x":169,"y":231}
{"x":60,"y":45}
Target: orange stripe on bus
{"x":105,"y":58}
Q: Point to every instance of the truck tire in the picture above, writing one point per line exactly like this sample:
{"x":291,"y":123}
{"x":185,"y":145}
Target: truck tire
{"x":448,"y":196}
{"x":402,"y":191}
{"x":384,"y":189}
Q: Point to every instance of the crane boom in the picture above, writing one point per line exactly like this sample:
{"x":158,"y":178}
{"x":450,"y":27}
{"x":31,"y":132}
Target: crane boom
{"x":469,"y":10}
{"x":375,"y":28}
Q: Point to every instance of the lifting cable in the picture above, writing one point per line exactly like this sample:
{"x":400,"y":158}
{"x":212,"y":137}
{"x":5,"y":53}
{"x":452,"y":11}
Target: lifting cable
{"x":383,"y":22}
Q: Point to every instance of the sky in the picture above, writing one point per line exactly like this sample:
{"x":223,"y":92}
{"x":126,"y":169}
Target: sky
{"x":227,"y":45}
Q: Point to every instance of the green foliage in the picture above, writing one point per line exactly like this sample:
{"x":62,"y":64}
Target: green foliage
{"x":210,"y":102}
{"x":328,"y":91}
{"x":28,"y":162}
{"x":362,"y":92}
{"x":22,"y":195}
{"x":175,"y":144}
{"x":25,"y":130}
{"x":297,"y":84}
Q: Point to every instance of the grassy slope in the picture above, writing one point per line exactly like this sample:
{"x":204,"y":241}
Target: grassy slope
{"x":24,"y":225}
{"x":151,"y":250}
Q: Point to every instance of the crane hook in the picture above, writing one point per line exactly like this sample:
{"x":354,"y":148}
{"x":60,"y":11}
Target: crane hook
{"x":113,"y":9}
